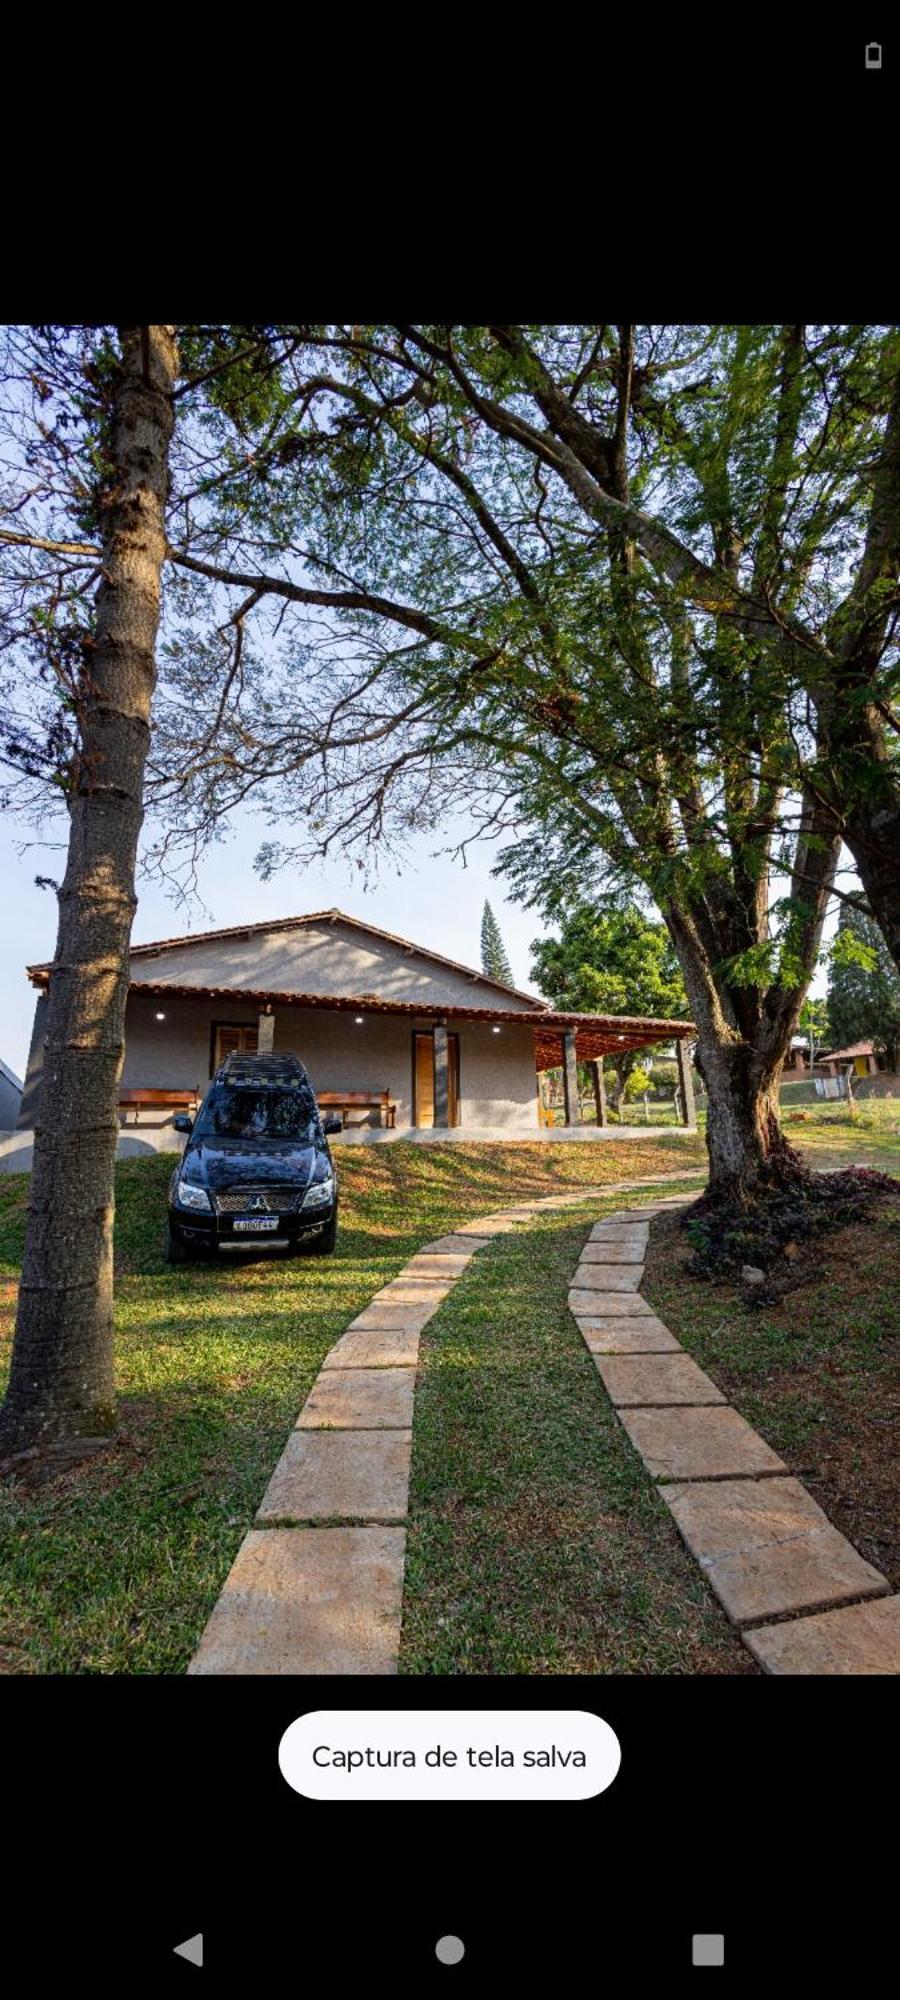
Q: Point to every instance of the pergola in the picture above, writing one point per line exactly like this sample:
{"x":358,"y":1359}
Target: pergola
{"x":564,"y":1040}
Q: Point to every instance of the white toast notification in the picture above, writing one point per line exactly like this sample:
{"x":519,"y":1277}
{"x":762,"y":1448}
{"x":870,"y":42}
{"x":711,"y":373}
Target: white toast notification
{"x":448,"y":1754}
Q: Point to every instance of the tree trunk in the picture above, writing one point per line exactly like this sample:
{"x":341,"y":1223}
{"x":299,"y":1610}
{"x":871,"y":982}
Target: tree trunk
{"x":617,"y":1091}
{"x":741,"y":1072}
{"x":61,"y":1382}
{"x":743,"y":1130}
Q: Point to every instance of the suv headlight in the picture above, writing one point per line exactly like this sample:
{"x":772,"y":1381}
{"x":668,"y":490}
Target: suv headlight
{"x":190,"y":1196}
{"x":319,"y":1193}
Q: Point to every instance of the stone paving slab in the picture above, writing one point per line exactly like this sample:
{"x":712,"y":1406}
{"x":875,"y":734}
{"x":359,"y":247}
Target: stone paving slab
{"x":393,"y":1319}
{"x":860,"y":1639}
{"x":698,"y":1444}
{"x":612,"y":1252}
{"x":609,"y":1305}
{"x":374,"y":1350}
{"x":607,"y":1277}
{"x":644,"y":1335}
{"x":308,"y":1601}
{"x":411,"y":1292}
{"x":488,"y":1226}
{"x":656,"y":1380}
{"x":425,"y":1266}
{"x":633,"y":1235}
{"x":360,"y":1399}
{"x":613,"y":1227}
{"x":767,"y":1548}
{"x":323,"y":1475}
{"x":455,"y":1244}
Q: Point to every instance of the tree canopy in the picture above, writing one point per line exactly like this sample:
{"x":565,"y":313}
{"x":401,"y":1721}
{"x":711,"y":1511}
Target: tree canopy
{"x":610,"y":961}
{"x":629,"y":593}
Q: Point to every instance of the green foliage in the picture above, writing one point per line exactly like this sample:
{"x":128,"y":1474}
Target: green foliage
{"x":863,"y":986}
{"x":611,"y":961}
{"x":608,"y":961}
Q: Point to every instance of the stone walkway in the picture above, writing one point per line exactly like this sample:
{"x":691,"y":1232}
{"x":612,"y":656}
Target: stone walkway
{"x":317,"y":1584}
{"x":803,"y":1599}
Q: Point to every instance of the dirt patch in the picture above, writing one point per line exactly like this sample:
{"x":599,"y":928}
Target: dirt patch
{"x":101,"y":1467}
{"x":792,"y":1214}
{"x":815,"y":1371}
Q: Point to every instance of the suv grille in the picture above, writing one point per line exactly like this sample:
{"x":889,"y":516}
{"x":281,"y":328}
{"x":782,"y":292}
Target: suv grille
{"x":248,"y":1200}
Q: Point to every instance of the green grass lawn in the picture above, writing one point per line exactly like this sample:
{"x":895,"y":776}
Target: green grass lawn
{"x":114,"y":1566}
{"x":815,"y":1373}
{"x":537,"y":1544}
{"x":831,"y":1134}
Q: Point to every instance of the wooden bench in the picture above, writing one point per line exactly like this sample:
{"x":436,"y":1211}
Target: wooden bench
{"x":167,"y":1102}
{"x":360,"y":1100}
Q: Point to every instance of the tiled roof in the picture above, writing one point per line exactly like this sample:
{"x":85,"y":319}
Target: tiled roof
{"x":855,"y":1049}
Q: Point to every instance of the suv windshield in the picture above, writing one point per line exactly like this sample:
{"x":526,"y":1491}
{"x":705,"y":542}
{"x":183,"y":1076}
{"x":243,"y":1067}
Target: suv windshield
{"x":238,"y":1111}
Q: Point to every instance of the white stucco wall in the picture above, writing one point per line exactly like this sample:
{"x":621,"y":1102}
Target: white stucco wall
{"x":497,"y":1073}
{"x":320,"y":958}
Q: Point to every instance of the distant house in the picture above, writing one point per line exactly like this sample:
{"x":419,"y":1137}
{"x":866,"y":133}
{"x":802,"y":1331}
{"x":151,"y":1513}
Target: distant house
{"x":391,"y":1032}
{"x":864,"y":1057}
{"x":10,"y":1099}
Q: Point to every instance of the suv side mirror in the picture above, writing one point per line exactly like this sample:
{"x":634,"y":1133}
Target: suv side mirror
{"x":183,"y":1123}
{"x":333,"y":1123}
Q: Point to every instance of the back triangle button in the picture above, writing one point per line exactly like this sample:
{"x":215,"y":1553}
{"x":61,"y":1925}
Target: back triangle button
{"x":192,"y":1949}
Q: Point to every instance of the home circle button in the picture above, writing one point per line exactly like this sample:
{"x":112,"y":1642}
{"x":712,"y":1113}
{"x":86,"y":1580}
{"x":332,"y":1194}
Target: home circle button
{"x":449,"y":1950}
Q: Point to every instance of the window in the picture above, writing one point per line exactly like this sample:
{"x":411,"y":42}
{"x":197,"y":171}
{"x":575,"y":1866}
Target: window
{"x":236,"y":1038}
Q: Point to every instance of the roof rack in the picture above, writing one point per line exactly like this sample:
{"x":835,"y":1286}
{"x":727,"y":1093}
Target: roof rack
{"x":249,"y":1068}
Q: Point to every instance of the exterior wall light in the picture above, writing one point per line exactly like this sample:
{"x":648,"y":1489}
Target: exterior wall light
{"x":359,"y":1018}
{"x":159,"y":1017}
{"x":495,"y":1031}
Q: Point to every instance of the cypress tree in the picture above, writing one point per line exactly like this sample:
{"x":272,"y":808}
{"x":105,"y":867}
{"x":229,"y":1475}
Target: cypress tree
{"x":494,"y":961}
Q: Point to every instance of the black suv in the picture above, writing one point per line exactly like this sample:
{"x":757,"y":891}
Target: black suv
{"x":257,"y":1168}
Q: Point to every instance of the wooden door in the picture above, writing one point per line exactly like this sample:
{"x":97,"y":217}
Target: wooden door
{"x":453,"y":1079}
{"x":423,"y":1080}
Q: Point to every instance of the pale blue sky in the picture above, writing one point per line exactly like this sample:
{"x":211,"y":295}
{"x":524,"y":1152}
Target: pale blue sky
{"x":435,"y":902}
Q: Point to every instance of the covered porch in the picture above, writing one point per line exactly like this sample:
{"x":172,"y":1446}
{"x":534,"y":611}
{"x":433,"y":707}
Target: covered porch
{"x":588,"y":1040}
{"x":394,"y":1068}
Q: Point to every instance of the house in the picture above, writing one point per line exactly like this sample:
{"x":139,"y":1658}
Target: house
{"x":394,"y":1035}
{"x":10,"y":1098}
{"x":865,"y":1059}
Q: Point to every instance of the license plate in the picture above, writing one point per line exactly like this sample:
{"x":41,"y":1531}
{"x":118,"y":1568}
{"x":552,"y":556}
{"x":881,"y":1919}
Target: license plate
{"x":254,"y":1222}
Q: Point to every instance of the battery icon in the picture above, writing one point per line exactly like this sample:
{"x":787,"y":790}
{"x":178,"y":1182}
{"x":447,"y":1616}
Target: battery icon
{"x":873,"y":55}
